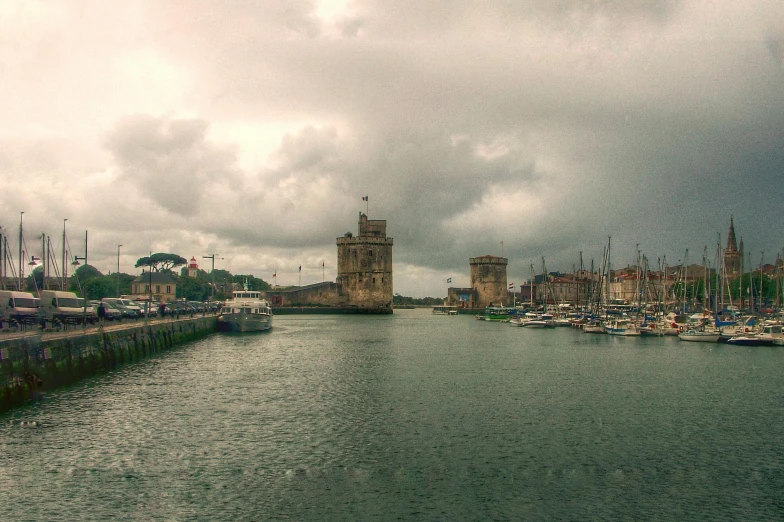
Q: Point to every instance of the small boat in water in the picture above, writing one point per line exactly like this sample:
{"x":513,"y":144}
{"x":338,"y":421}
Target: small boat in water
{"x":700,"y":336}
{"x":594,"y":326}
{"x":624,"y":327}
{"x":245,"y":312}
{"x":771,"y":335}
{"x":500,"y":314}
{"x":444,"y":310}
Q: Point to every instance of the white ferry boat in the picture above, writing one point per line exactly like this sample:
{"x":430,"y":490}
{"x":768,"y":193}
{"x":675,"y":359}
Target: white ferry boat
{"x":444,"y":310}
{"x":245,"y":312}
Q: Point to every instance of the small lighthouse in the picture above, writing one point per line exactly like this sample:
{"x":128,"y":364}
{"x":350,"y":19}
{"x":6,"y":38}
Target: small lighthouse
{"x":193,"y":267}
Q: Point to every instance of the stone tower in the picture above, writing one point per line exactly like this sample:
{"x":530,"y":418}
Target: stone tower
{"x":733,"y":256}
{"x":365,"y":267}
{"x":488,"y":280}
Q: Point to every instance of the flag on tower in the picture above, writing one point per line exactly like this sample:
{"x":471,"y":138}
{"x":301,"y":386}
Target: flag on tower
{"x":300,"y":268}
{"x":449,"y":280}
{"x":365,"y":198}
{"x":322,"y":264}
{"x":511,"y":286}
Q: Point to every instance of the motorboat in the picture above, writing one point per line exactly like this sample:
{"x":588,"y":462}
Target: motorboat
{"x":621,"y":326}
{"x":700,"y":336}
{"x":770,"y":335}
{"x":538,"y":321}
{"x":444,"y":310}
{"x":247,"y":311}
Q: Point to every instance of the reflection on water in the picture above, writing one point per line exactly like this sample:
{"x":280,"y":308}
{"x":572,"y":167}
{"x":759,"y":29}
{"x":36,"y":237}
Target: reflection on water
{"x":410,"y":416}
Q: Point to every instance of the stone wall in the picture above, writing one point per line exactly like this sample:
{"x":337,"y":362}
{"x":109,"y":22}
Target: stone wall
{"x":34,"y":364}
{"x":319,"y":294}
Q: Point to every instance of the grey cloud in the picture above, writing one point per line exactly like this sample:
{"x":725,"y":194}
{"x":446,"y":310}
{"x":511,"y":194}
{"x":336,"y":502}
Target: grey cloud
{"x":170,"y":160}
{"x":546,"y":125}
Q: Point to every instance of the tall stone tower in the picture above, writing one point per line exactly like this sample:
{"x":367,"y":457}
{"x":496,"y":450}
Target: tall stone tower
{"x":733,"y":256}
{"x":365,"y":267}
{"x":488,"y":280}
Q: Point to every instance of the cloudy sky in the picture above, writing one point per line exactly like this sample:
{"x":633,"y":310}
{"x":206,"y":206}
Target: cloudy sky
{"x":252,"y":129}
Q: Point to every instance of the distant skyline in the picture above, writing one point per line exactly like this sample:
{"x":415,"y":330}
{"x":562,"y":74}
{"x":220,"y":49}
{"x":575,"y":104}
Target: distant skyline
{"x":253,"y":131}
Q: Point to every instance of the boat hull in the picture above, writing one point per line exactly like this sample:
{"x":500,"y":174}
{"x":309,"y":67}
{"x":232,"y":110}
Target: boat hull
{"x":593,"y":329}
{"x":622,"y":332}
{"x":750,"y":341}
{"x":538,"y":324}
{"x":244,"y":322}
{"x":699,"y":338}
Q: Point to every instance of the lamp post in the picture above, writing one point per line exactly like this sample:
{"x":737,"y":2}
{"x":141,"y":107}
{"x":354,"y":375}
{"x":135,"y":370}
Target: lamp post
{"x":65,"y":260}
{"x":212,"y":274}
{"x":118,"y":270}
{"x":76,"y":263}
{"x":21,"y":266}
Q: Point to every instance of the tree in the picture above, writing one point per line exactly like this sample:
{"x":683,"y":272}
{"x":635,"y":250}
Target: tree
{"x":192,"y":289}
{"x":161,"y":262}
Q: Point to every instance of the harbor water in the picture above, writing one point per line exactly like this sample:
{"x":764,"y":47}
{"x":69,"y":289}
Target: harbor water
{"x":408,"y":416}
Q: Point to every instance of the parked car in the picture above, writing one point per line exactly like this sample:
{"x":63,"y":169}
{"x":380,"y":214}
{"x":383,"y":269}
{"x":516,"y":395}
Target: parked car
{"x":111,"y":313}
{"x":90,"y":314}
{"x":133,"y":305}
{"x":127,"y":312}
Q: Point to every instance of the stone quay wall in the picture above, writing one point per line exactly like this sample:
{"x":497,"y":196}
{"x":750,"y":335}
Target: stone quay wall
{"x":33,"y":364}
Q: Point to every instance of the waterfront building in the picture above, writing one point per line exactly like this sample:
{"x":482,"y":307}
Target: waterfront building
{"x":157,"y":285}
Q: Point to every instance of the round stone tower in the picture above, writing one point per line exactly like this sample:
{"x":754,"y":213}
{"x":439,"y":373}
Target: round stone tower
{"x":488,"y":280}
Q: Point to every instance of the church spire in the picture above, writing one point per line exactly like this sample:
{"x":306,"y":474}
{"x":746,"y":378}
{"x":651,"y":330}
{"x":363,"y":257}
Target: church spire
{"x":732,"y":245}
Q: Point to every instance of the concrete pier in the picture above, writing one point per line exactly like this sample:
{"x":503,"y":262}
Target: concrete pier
{"x":32,"y":363}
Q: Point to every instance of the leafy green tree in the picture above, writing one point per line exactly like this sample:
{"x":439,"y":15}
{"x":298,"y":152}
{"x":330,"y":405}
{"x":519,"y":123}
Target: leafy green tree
{"x":254,"y":283}
{"x":35,"y":281}
{"x":99,"y":287}
{"x":193,"y":289}
{"x":160,"y":262}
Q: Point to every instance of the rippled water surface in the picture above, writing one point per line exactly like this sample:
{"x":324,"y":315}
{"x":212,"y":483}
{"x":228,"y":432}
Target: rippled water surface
{"x":409,"y":416}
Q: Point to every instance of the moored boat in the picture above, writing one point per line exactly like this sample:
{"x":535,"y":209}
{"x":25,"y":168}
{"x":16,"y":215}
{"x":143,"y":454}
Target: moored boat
{"x":622,"y":327}
{"x":699,"y":336}
{"x":499,"y":314}
{"x":539,"y":321}
{"x":769,"y":336}
{"x":594,"y":327}
{"x":247,"y":311}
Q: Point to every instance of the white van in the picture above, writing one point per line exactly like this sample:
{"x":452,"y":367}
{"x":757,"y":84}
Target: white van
{"x":62,"y":307}
{"x":18,"y":308}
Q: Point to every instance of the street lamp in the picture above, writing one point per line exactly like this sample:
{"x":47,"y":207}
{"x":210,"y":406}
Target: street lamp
{"x":118,"y":270}
{"x":77,"y":258}
{"x":212,"y":273}
{"x":76,"y":263}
